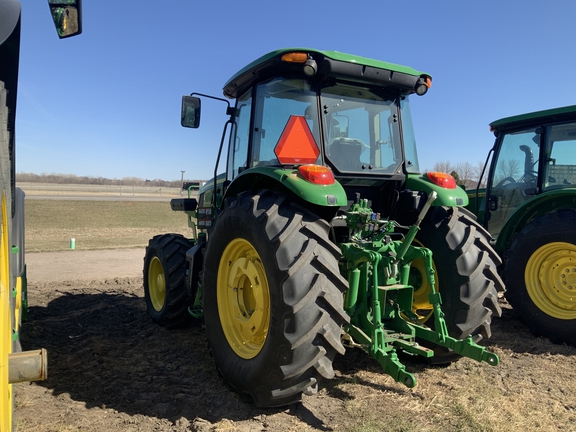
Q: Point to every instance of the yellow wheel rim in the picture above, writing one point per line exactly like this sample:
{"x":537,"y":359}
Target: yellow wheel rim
{"x":5,"y":324}
{"x":550,"y":278}
{"x":421,"y":306}
{"x":156,"y":284}
{"x":243,"y":297}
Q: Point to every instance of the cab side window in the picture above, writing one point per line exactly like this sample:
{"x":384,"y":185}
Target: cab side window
{"x":560,"y":163}
{"x":240,"y":136}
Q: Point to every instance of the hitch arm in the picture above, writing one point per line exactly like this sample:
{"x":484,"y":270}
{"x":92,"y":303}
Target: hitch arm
{"x":465,"y":347}
{"x":411,"y":235}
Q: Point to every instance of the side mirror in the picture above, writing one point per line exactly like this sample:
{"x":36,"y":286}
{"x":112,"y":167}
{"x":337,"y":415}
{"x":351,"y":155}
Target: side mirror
{"x":190,"y":112}
{"x":67,"y":16}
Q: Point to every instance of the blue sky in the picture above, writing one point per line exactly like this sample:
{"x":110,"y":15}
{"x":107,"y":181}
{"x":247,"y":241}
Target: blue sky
{"x":107,"y":103}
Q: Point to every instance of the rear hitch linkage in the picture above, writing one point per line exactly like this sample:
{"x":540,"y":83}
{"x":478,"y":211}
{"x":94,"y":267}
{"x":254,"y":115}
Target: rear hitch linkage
{"x":379,"y":298}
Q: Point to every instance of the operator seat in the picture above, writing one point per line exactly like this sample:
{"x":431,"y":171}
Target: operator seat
{"x":345,"y":154}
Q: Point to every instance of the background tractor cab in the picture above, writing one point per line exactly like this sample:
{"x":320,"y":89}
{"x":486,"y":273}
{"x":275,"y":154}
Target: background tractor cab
{"x":528,"y":206}
{"x":529,"y":160}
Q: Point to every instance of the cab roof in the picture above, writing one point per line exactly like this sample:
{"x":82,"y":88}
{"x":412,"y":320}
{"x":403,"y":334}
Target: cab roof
{"x":330,"y":64}
{"x":535,"y":118}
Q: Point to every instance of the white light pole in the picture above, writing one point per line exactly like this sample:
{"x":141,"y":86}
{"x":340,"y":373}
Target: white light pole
{"x":182,"y":182}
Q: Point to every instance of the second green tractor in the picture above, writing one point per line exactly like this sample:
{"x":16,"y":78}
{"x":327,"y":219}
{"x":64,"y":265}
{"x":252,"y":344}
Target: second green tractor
{"x":529,"y":206}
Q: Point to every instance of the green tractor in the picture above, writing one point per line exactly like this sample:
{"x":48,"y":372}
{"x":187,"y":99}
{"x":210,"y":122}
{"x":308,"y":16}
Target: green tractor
{"x":322,"y":233}
{"x":15,"y":365}
{"x":529,"y":206}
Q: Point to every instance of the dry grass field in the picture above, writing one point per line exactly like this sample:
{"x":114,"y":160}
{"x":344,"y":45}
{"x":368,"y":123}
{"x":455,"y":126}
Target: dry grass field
{"x":98,"y":224}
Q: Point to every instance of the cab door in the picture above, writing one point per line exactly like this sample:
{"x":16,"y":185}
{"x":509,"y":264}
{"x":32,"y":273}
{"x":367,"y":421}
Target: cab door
{"x":513,"y":177}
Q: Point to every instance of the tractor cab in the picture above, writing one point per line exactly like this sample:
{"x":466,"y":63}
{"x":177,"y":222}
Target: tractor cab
{"x":353,"y":130}
{"x":332,"y":115}
{"x":533,"y":158}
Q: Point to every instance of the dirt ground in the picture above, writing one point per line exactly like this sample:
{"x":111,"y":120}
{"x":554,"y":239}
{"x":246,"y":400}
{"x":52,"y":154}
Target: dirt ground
{"x":112,"y":369}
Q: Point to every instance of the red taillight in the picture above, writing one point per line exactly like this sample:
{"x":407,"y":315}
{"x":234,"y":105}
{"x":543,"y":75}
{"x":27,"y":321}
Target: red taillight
{"x":317,"y":174}
{"x":442,"y":179}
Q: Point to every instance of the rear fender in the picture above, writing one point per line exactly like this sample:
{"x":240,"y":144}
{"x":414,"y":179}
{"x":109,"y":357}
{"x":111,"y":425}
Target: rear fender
{"x":446,"y":197}
{"x":533,"y":208}
{"x":289,"y":181}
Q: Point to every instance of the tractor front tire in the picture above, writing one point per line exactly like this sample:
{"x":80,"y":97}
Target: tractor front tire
{"x":273,"y":304}
{"x":466,"y":273}
{"x":165,"y":289}
{"x":540,"y":273}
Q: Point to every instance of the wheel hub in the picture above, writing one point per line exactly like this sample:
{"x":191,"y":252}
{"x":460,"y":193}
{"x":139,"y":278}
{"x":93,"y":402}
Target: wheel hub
{"x":243,"y":298}
{"x":570,"y":277}
{"x":157,"y":284}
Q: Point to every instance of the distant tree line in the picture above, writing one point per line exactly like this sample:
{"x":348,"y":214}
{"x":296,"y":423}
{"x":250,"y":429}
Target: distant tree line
{"x":464,"y":173}
{"x":88,"y":180}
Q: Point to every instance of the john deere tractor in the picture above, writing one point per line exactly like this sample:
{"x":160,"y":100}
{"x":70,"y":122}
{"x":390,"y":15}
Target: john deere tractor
{"x":322,"y":232}
{"x":17,"y":366}
{"x":529,"y":206}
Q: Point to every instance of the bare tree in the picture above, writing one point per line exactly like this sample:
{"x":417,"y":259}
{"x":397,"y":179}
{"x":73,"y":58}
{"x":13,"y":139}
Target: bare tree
{"x":509,"y":168}
{"x":466,"y":173}
{"x":478,"y":172}
{"x":443,"y":166}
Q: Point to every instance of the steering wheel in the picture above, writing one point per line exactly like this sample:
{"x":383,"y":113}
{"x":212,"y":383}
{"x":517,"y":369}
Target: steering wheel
{"x":503,"y":182}
{"x":531,"y":175}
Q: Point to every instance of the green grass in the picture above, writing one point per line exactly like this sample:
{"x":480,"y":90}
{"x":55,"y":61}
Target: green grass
{"x":98,"y":224}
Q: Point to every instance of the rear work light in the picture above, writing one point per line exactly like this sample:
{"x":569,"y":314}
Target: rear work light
{"x":423,"y":84}
{"x":310,"y":66}
{"x":442,"y":179}
{"x":317,"y":174}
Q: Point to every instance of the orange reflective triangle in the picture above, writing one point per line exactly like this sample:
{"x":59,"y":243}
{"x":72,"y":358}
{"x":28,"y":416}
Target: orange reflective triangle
{"x":297,"y":144}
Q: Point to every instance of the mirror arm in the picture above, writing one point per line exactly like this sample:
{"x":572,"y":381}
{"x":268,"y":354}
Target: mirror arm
{"x":213,"y":97}
{"x":232,"y":112}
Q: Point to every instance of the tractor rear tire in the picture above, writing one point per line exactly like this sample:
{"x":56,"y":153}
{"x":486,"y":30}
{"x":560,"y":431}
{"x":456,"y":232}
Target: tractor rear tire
{"x":466,"y":274}
{"x":540,"y":273}
{"x":273,"y":304}
{"x":165,"y":290}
